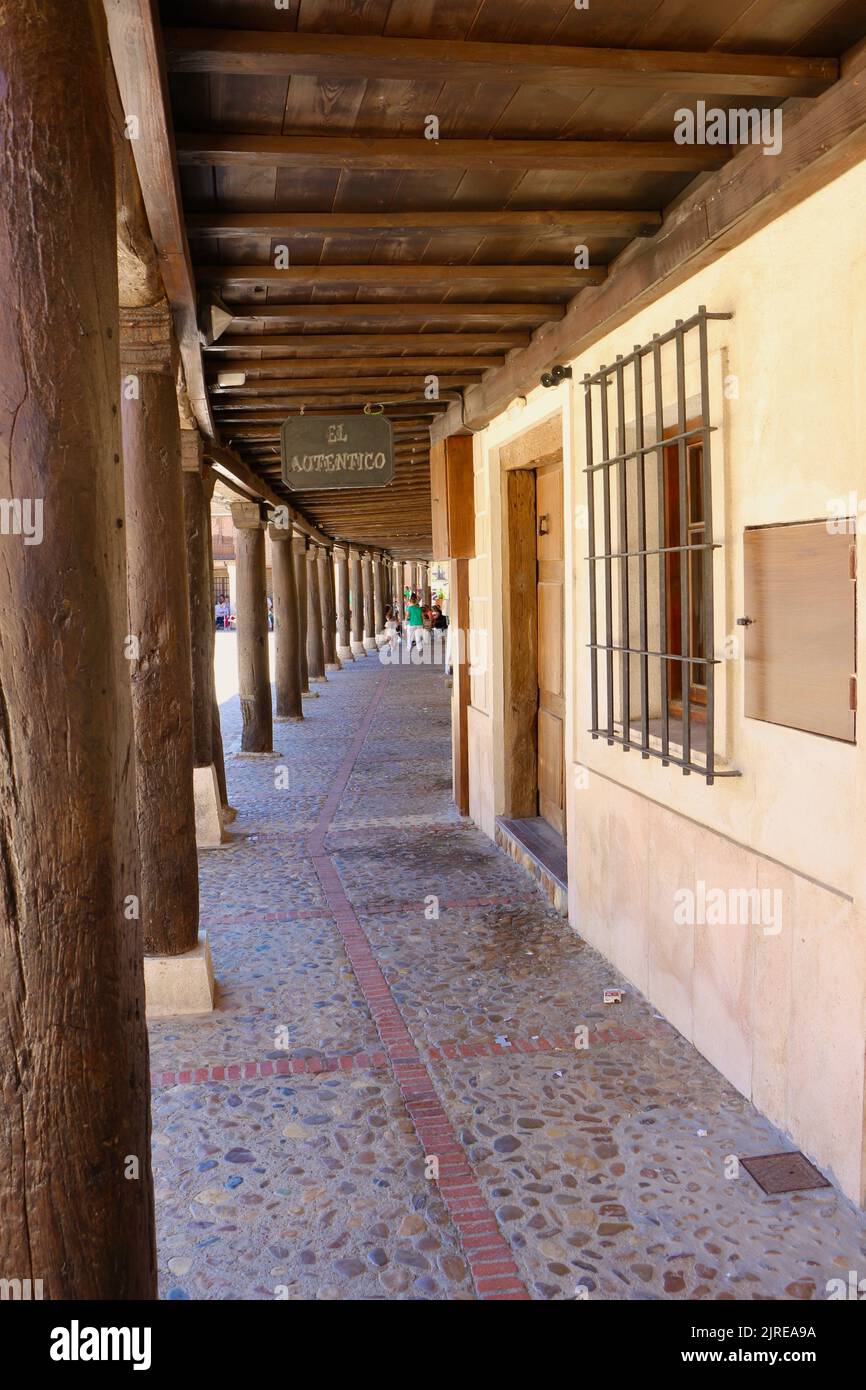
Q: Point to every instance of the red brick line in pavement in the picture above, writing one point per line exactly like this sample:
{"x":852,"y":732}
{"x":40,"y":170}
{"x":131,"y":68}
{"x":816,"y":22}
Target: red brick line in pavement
{"x":360,"y":1061}
{"x":281,"y":1066}
{"x":493,"y":1269}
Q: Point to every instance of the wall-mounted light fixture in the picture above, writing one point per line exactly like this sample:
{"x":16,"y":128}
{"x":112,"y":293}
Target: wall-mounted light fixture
{"x":555,"y":375}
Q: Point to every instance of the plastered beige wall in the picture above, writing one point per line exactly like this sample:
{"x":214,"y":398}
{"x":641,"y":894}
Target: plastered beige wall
{"x":783,"y":1016}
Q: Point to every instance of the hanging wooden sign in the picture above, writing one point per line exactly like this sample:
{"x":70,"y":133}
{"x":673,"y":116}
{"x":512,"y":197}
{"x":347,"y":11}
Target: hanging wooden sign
{"x":337,"y":451}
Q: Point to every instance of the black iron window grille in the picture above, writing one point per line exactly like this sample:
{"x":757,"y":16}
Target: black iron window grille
{"x":650,"y":552}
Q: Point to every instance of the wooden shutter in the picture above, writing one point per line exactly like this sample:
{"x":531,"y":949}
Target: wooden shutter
{"x":800,"y":644}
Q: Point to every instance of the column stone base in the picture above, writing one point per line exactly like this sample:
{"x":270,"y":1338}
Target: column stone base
{"x":208,"y":810}
{"x":310,"y":695}
{"x":180,"y":984}
{"x":288,"y":719}
{"x":370,"y":644}
{"x":318,"y":680}
{"x":333,"y":665}
{"x":345,"y":654}
{"x":358,"y":648}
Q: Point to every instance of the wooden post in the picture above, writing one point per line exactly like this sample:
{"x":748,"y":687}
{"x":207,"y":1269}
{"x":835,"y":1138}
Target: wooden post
{"x":341,"y":566}
{"x":196,"y":513}
{"x":299,"y":555}
{"x":329,"y":616}
{"x":315,"y":643}
{"x":73,"y":1047}
{"x":287,"y":655}
{"x":370,"y":643}
{"x":160,"y":664}
{"x":228,"y":812}
{"x":425,"y":575}
{"x":357,"y":599}
{"x":378,"y":597}
{"x":254,"y":678}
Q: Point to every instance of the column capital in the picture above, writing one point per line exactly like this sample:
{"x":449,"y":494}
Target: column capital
{"x":312,"y":551}
{"x":247,"y":516}
{"x":340,"y":552}
{"x":281,"y":533}
{"x":355,"y":553}
{"x":147,"y":340}
{"x":190,"y":451}
{"x":299,"y":543}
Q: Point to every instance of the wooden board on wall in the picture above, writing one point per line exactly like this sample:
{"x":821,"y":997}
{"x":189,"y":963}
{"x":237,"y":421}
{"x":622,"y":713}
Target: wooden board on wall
{"x":452,"y":487}
{"x":521,"y":646}
{"x":459,"y":580}
{"x":800,"y":644}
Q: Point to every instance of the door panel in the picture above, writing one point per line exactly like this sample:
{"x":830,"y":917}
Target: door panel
{"x":550,"y":607}
{"x":551,"y":770}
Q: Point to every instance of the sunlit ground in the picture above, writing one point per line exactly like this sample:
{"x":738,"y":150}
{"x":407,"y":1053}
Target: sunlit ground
{"x":226,"y":664}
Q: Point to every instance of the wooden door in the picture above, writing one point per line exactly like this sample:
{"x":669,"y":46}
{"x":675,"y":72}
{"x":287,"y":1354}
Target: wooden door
{"x":550,"y":600}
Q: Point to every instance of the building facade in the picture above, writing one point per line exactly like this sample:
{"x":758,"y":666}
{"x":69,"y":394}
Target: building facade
{"x":729,"y":888}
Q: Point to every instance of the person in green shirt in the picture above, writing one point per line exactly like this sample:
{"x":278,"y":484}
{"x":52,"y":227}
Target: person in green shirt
{"x":414,"y":625}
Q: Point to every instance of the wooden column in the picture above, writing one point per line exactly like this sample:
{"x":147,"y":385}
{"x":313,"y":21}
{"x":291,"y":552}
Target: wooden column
{"x":315,"y":643}
{"x":229,"y":812}
{"x":425,"y":575}
{"x":299,"y":555}
{"x":378,"y":596}
{"x":287,"y":652}
{"x":341,"y":568}
{"x":73,"y":1047}
{"x":254,"y":677}
{"x":370,"y":644}
{"x":329,"y":613}
{"x":160,"y":665}
{"x":408,"y":582}
{"x":357,"y":597}
{"x":196,"y":514}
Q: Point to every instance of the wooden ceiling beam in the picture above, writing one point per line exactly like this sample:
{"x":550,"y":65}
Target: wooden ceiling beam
{"x":364,"y":342}
{"x":472,"y":312}
{"x":502,"y":278}
{"x":294,"y":386}
{"x":137,"y":57}
{"x":336,"y":57}
{"x":541,"y":223}
{"x":262,"y":368}
{"x":493,"y":156}
{"x":335,"y":402}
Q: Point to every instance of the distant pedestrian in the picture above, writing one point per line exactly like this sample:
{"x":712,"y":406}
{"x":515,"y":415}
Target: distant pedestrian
{"x":392,"y":626}
{"x":414,"y":625}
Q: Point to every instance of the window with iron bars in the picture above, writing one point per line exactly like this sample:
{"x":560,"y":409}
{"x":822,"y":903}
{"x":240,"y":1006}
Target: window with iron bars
{"x":650,"y":550}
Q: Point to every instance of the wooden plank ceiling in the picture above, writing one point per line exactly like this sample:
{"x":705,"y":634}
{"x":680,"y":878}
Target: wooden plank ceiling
{"x":304,"y":127}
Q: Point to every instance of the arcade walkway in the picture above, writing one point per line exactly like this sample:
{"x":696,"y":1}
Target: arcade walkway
{"x":287,"y":1156}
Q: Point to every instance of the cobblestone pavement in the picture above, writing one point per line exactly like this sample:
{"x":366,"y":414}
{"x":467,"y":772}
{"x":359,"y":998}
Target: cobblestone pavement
{"x":290,"y":1133}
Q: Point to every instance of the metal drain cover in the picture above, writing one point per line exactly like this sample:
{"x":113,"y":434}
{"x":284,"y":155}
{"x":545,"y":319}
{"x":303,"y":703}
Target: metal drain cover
{"x":788,"y":1172}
